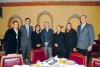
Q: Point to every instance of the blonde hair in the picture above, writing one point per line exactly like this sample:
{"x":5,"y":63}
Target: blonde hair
{"x":46,"y":22}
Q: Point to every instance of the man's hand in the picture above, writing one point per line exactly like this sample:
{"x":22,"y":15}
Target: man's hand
{"x":46,"y":43}
{"x":89,"y":48}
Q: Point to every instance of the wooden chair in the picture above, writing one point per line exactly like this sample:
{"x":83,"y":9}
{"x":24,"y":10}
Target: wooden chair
{"x":38,"y":54}
{"x":79,"y":58}
{"x":11,"y":60}
{"x":95,"y":62}
{"x":2,"y":53}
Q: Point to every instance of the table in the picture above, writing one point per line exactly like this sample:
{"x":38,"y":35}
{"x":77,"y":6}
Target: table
{"x":34,"y":65}
{"x":56,"y":65}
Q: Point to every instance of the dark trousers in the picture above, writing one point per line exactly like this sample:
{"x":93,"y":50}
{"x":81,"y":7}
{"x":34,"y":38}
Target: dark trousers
{"x":60,"y":52}
{"x":69,"y":50}
{"x":86,"y":53}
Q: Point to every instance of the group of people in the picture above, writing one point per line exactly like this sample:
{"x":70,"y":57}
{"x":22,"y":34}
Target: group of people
{"x":64,"y":43}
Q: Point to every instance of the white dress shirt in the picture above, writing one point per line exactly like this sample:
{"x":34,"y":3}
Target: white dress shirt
{"x":82,"y":26}
{"x":16,"y":31}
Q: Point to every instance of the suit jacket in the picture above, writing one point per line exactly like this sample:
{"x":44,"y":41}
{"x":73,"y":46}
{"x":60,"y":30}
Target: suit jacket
{"x":59,"y":39}
{"x":71,"y":38}
{"x":85,"y":36}
{"x":36,"y":39}
{"x":12,"y":44}
{"x":26,"y":40}
{"x":47,"y":37}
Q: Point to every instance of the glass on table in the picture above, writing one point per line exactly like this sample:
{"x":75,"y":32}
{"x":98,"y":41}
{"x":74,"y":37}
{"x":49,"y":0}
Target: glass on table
{"x":38,"y":63}
{"x":60,"y":61}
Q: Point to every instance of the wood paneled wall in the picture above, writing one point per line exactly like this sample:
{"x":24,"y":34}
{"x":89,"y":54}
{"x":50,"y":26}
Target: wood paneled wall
{"x":50,"y":3}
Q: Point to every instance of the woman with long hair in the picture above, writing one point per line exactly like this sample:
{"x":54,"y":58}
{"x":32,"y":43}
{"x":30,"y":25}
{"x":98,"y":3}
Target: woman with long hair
{"x":70,"y":39}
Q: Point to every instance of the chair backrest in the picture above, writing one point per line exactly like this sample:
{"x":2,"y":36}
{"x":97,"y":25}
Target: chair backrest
{"x":95,"y":50}
{"x":79,"y":58}
{"x":1,"y":56}
{"x":38,"y":54}
{"x":11,"y":60}
{"x":95,"y":62}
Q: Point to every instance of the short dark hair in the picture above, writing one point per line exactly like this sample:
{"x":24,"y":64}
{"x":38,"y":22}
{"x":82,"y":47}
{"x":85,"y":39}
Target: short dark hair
{"x":84,"y":16}
{"x":27,"y":19}
{"x":39,"y":26}
{"x":15,"y":21}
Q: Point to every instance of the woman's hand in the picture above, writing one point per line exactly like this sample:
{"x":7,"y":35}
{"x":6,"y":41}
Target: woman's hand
{"x":56,"y":45}
{"x":74,"y":49}
{"x":38,"y":45}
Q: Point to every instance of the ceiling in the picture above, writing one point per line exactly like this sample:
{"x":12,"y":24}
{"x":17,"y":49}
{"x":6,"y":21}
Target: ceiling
{"x":42,"y":0}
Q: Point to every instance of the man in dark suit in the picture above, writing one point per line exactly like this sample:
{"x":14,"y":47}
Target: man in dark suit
{"x":85,"y":34}
{"x":47,"y":37}
{"x":26,"y":31}
{"x":12,"y":39}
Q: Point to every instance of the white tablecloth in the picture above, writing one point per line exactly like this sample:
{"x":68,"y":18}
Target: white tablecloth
{"x":21,"y":66}
{"x":56,"y":65}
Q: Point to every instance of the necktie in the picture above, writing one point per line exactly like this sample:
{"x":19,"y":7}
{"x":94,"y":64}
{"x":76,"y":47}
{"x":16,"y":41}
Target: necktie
{"x":46,"y":35}
{"x":46,"y":31}
{"x":82,"y":27}
{"x":27,"y":27}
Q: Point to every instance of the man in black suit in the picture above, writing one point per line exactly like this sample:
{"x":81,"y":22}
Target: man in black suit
{"x":47,"y":37}
{"x":12,"y":39}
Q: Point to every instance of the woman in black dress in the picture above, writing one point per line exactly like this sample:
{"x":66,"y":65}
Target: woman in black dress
{"x":70,"y":39}
{"x":36,"y":39}
{"x":12,"y":39}
{"x":59,"y":42}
